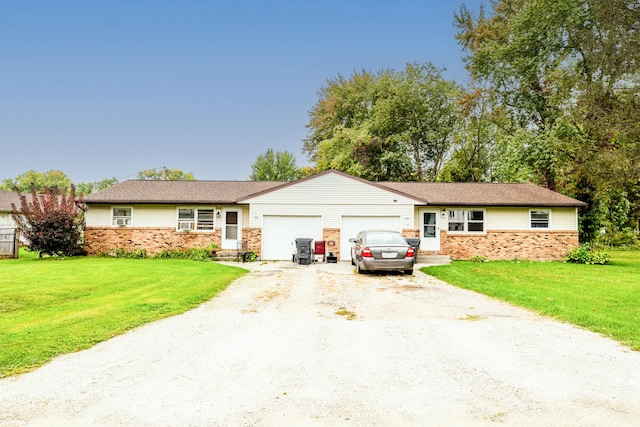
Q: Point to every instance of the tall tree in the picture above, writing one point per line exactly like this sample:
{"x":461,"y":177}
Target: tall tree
{"x":567,"y":72}
{"x":391,"y":125}
{"x":475,"y":139}
{"x":40,"y":180}
{"x":165,"y":174}
{"x":420,"y":112}
{"x":275,"y":166}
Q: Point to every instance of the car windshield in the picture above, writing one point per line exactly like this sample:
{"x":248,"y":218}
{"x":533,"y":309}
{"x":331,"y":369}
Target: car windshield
{"x":384,"y":238}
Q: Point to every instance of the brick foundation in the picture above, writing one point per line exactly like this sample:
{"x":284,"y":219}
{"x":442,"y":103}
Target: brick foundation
{"x":105,"y":239}
{"x":494,"y":245}
{"x":505,"y":245}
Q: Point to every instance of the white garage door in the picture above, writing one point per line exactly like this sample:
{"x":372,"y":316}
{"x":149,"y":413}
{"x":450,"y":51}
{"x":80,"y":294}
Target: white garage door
{"x":279,"y":234}
{"x":352,"y":225}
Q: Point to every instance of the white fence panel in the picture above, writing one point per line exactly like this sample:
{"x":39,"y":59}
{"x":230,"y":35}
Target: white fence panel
{"x":8,"y":243}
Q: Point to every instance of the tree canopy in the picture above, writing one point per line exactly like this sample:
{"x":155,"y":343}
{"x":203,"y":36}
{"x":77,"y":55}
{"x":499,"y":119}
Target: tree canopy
{"x":41,"y":180}
{"x":275,"y":166}
{"x":564,"y":82}
{"x":391,"y":125}
{"x":165,"y":174}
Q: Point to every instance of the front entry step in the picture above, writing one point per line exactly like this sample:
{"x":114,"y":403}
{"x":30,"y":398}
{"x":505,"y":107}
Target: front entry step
{"x":434,"y":259}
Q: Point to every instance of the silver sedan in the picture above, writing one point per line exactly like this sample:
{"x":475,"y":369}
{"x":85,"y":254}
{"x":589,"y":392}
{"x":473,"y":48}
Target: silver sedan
{"x":384,"y":250}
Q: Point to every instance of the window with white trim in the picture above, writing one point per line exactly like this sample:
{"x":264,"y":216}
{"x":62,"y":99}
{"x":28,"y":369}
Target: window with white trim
{"x":186,"y":219}
{"x":205,"y":219}
{"x":121,"y":216}
{"x":540,"y":218}
{"x":196,"y":219}
{"x":465,"y":220}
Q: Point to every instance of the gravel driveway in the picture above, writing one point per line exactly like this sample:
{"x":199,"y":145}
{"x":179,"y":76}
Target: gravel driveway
{"x":322,"y":346}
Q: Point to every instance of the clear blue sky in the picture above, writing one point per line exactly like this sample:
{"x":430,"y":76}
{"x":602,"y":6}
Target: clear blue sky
{"x":101,"y":89}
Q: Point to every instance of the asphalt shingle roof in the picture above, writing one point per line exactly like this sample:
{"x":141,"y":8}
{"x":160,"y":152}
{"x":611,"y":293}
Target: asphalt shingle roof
{"x":435,"y":194}
{"x":149,"y":191}
{"x":6,"y":198}
{"x":483,"y":194}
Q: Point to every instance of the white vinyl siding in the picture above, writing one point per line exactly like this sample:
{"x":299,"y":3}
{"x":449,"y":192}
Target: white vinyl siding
{"x":155,"y":216}
{"x":5,"y":218}
{"x":331,"y":214}
{"x":331,"y":196}
{"x":98,"y":216}
{"x":507,"y":218}
{"x":564,"y":219}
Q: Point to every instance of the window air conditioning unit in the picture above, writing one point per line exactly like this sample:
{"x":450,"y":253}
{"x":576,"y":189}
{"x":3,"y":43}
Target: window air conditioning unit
{"x":121,"y":222}
{"x":183,"y":226}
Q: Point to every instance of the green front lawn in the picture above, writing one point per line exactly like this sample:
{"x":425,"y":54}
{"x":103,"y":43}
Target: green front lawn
{"x":53,"y":306}
{"x":602,"y":298}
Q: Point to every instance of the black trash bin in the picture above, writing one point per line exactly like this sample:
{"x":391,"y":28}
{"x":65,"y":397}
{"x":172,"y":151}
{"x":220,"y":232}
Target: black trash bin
{"x":414,"y":242}
{"x":304,"y":252}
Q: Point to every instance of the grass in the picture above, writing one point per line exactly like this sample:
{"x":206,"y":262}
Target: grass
{"x":601,"y":298}
{"x":52,"y":306}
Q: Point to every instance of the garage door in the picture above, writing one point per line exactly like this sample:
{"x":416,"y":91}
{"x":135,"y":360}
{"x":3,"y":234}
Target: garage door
{"x":279,"y":234}
{"x":352,"y":225}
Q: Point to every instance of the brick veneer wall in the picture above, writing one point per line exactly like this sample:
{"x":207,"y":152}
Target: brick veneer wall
{"x":153,"y":240}
{"x":331,"y":235}
{"x":505,"y":245}
{"x":253,"y":238}
{"x":495,"y":245}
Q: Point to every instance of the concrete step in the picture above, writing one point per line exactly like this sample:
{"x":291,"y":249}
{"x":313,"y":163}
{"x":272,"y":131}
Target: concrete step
{"x":434,"y":259}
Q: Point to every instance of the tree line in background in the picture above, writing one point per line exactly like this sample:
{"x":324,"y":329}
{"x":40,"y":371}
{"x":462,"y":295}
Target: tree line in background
{"x":59,"y":180}
{"x":553,"y":98}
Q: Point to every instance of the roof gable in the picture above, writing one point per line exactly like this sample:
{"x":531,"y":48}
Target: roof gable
{"x":331,"y":187}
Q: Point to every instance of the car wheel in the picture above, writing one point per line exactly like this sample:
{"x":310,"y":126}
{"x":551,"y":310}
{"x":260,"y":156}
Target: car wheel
{"x":358,"y":269}
{"x":352,"y":262}
{"x":408,"y":271}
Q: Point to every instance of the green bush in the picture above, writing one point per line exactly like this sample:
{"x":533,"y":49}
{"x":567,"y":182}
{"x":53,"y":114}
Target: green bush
{"x":587,"y":255}
{"x":626,"y":238}
{"x":193,"y":254}
{"x":478,"y":258}
{"x":250,"y":256}
{"x":123,"y":253}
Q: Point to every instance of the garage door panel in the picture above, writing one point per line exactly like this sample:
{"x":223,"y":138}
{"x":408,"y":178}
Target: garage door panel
{"x":279,"y":233}
{"x":352,"y":225}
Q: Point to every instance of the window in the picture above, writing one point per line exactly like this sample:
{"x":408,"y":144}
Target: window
{"x":186,"y":219}
{"x":205,"y":219}
{"x":195,"y":219}
{"x":231,"y":227}
{"x":121,"y":216}
{"x":462,"y":220}
{"x":539,"y":218}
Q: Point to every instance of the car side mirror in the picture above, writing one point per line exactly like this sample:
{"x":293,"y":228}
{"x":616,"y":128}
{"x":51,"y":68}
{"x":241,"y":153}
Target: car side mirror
{"x":352,"y":240}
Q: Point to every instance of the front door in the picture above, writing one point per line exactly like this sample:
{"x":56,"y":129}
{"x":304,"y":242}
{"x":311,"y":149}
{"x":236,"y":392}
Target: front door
{"x":231,"y":228}
{"x":429,"y":230}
